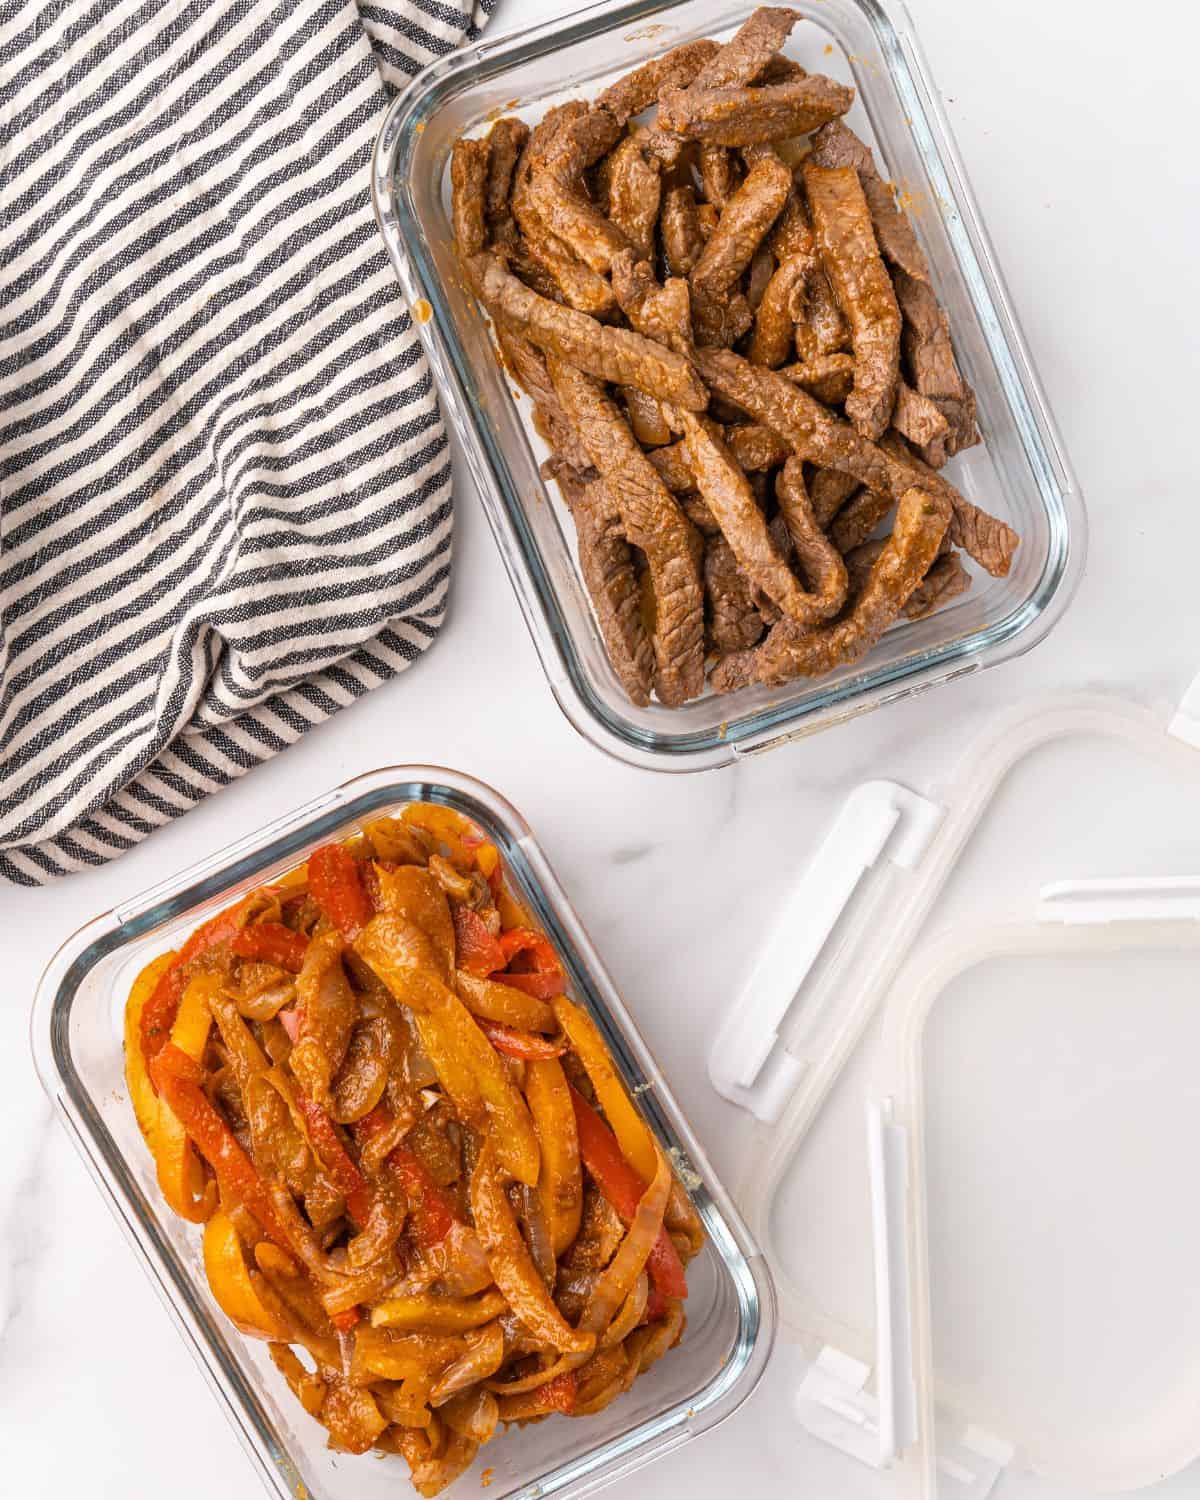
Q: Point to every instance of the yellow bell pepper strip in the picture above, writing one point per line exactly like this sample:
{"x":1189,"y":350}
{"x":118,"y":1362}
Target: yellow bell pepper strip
{"x":521,"y":1044}
{"x":546,"y":978}
{"x":560,"y":1184}
{"x":624,"y":1189}
{"x":637,"y":1144}
{"x":336,"y":886}
{"x":510,"y":1262}
{"x":179,"y":1080}
{"x":423,"y":1312}
{"x":229,"y":1281}
{"x":273,"y":943}
{"x":158,"y":1013}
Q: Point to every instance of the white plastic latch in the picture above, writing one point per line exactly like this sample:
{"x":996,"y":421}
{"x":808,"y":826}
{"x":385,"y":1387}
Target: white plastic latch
{"x":969,"y":1465}
{"x":746,"y":1064}
{"x":1140,"y":898}
{"x":1185,"y":725}
{"x":834,"y":1404}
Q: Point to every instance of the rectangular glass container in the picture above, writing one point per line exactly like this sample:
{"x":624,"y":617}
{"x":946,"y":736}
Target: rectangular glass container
{"x":1019,"y":471}
{"x":77,"y":1043}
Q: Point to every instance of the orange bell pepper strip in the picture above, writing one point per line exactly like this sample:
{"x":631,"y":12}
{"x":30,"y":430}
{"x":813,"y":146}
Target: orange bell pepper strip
{"x":478,"y":952}
{"x":337,"y":1161}
{"x":158,"y":1014}
{"x":624,"y":1189}
{"x":546,"y":978}
{"x":336,"y":885}
{"x":179,"y":1081}
{"x":272,"y":943}
{"x":520,"y":1043}
{"x":560,"y":1183}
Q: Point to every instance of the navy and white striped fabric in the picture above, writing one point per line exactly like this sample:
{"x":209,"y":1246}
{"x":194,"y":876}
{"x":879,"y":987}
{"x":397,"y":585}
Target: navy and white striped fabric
{"x":224,"y":478}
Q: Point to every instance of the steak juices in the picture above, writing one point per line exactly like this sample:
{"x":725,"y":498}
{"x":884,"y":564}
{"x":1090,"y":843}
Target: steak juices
{"x":729,"y":334}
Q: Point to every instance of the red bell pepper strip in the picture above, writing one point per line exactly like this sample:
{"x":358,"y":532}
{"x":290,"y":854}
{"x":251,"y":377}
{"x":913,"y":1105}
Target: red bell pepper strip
{"x":158,"y":1014}
{"x":336,"y":886}
{"x":178,"y":1079}
{"x":624,"y":1189}
{"x":524,"y":1044}
{"x":273,"y":943}
{"x":561,"y":1393}
{"x":343,"y":1173}
{"x":431,"y":1215}
{"x":345,"y":1321}
{"x":656,"y":1307}
{"x":478,"y":952}
{"x":545,"y":978}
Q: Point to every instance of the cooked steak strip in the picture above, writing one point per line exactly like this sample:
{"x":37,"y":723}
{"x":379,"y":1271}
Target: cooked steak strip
{"x":836,"y":145}
{"x":695,"y":508}
{"x":734,"y":621}
{"x":850,"y":254}
{"x":889,"y":468}
{"x":616,"y":354}
{"x":992,"y":543}
{"x":753,"y":446}
{"x":792,"y":233}
{"x":758,"y":278}
{"x":527,"y":366}
{"x":468,"y":188}
{"x":858,"y":519}
{"x":748,"y":116}
{"x":721,"y":482}
{"x":718,"y":175}
{"x":929,"y":355}
{"x":820,"y":561}
{"x":657,"y":311}
{"x":680,"y":225}
{"x":580,"y":286}
{"x":779,"y":69}
{"x":606,"y":562}
{"x":829,"y":377}
{"x":921,"y":522}
{"x":918,"y":419}
{"x":558,"y":192}
{"x":946,"y":580}
{"x":646,"y":417}
{"x":720,"y":321}
{"x":823,"y":329}
{"x":639,"y":89}
{"x":751,"y":49}
{"x":744,"y":223}
{"x":782,"y":306}
{"x":507,"y":139}
{"x":652,"y":521}
{"x":631,"y":188}
{"x":829,"y":491}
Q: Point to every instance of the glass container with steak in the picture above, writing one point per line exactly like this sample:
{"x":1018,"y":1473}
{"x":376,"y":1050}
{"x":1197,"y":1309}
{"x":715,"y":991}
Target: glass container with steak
{"x":729,"y":334}
{"x":420,"y":1177}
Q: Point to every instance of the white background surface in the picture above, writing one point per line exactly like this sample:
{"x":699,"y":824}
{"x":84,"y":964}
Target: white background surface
{"x":1078,"y":134}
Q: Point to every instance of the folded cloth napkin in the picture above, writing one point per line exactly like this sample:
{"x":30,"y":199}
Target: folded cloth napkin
{"x":224,"y":478}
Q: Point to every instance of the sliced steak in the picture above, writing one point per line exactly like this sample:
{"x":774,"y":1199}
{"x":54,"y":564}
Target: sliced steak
{"x":734,"y":622}
{"x":820,"y":561}
{"x":468,"y":189}
{"x":507,"y":139}
{"x":652,"y":521}
{"x":750,"y":116}
{"x":850,"y":254}
{"x":836,"y":145}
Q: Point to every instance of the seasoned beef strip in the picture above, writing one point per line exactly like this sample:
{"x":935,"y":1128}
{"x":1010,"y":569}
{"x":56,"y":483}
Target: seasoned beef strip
{"x":734,"y":622}
{"x":836,"y":145}
{"x":850,"y":254}
{"x":616,"y":354}
{"x":606,"y":562}
{"x":921,"y":522}
{"x":749,"y":116}
{"x":507,"y":139}
{"x":744,"y":222}
{"x":652,"y":521}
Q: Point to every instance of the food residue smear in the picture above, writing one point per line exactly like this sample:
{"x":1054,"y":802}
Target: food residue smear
{"x":422,"y":310}
{"x":486,"y":1477}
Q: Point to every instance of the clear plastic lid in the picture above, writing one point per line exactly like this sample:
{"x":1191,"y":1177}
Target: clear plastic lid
{"x":991,"y":1053}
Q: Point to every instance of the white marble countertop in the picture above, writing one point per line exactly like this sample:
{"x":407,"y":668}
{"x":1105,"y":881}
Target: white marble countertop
{"x":1078,"y":135}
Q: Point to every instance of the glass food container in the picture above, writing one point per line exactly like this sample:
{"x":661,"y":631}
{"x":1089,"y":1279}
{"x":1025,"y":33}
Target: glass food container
{"x":77,"y":1041}
{"x":1019,"y":472}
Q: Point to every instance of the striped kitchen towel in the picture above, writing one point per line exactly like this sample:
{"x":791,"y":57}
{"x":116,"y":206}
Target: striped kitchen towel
{"x":224,"y":478}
